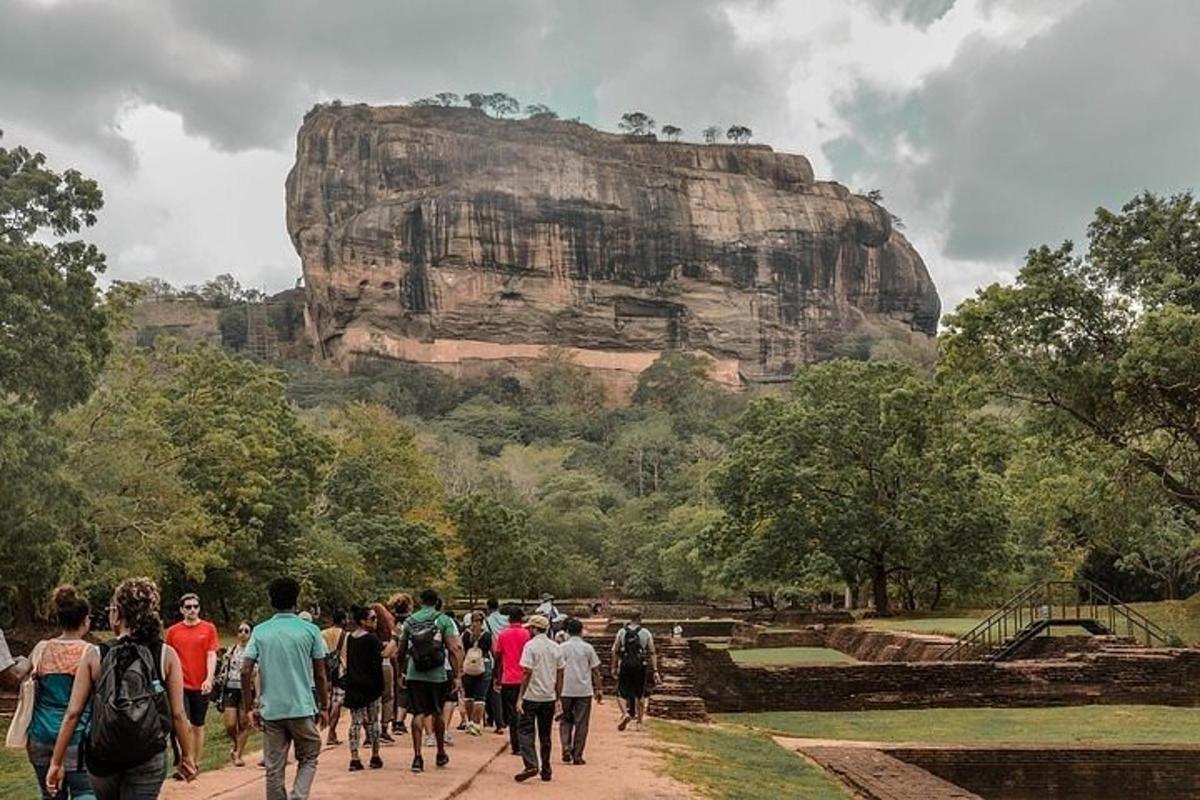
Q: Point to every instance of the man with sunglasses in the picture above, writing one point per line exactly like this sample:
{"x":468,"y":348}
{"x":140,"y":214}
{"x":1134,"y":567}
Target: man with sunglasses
{"x":196,"y":642}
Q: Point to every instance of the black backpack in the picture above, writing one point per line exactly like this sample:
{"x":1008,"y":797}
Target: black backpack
{"x":632,"y":655}
{"x":425,"y":644}
{"x":131,"y":720}
{"x":333,"y":662}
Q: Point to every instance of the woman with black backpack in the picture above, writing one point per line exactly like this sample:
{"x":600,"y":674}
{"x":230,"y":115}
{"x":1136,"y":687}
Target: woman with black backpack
{"x":134,"y":684}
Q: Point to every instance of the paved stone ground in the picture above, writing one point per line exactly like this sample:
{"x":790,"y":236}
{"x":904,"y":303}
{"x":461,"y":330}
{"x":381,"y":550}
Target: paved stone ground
{"x":620,"y":765}
{"x":877,"y":775}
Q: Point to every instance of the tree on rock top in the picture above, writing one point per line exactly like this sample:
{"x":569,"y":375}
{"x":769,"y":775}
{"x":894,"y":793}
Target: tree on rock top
{"x":636,"y":123}
{"x":738,"y":134}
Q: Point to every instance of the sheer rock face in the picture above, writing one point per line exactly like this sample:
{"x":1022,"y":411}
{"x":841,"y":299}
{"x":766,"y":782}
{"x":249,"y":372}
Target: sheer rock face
{"x":442,"y":236}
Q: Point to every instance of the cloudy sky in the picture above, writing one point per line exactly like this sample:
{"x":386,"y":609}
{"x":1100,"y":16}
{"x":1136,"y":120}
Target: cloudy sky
{"x":990,"y":125}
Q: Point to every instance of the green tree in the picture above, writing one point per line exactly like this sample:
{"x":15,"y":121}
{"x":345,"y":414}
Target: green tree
{"x":37,"y":508}
{"x":492,"y":545}
{"x":865,"y":464}
{"x":1102,"y":346}
{"x":446,"y":98}
{"x":711,"y":134}
{"x":672,"y":132}
{"x":140,"y":514}
{"x":53,"y":336}
{"x":256,"y":467}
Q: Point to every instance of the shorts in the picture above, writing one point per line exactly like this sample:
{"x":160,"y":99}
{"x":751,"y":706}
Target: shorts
{"x":337,"y":695}
{"x":426,"y":697}
{"x":195,"y":705}
{"x":632,"y":682}
{"x":231,"y":699}
{"x":476,"y":687}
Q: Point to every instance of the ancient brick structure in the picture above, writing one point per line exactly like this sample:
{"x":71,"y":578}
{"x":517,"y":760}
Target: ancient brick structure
{"x":1166,"y":677}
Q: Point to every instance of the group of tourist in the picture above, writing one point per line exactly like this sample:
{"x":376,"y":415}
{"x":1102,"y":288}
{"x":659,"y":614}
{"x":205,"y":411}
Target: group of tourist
{"x":103,"y":717}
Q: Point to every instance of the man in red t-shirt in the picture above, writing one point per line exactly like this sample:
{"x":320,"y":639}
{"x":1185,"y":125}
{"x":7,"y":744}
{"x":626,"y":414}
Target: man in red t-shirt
{"x":196,"y":642}
{"x":507,"y":649}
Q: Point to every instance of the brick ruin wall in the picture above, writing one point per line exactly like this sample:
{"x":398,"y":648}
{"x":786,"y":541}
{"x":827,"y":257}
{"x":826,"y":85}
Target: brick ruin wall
{"x":1083,"y":773}
{"x":856,"y":641}
{"x":1165,"y":677}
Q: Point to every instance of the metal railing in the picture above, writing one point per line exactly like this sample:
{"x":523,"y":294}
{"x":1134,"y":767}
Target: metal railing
{"x":1042,"y":605}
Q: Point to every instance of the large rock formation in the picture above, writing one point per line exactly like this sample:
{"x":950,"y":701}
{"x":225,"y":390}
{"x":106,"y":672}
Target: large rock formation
{"x":443,"y":236}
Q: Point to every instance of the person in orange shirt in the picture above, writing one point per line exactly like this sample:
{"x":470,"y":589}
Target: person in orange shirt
{"x":196,"y":642}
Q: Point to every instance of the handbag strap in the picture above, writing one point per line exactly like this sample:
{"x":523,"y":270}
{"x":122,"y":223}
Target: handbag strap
{"x":35,"y":658}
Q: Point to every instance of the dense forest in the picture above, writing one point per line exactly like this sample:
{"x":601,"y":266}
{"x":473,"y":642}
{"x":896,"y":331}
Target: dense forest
{"x":1058,"y":435}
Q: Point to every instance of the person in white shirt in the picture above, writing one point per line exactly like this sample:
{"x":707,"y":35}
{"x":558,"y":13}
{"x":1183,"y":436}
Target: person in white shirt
{"x":581,"y":682}
{"x":541,"y":686}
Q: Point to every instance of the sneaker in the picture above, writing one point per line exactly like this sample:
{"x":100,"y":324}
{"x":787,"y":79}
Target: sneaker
{"x":430,"y":741}
{"x":442,"y":759}
{"x":525,"y":775}
{"x":399,"y":728}
{"x":447,"y":738}
{"x":624,"y":723}
{"x":567,"y":758}
{"x":546,"y":775}
{"x":376,"y":762}
{"x":637,"y":726}
{"x":579,"y":762}
{"x":355,"y":765}
{"x":462,"y":726}
{"x":418,"y":764}
{"x":386,"y":737}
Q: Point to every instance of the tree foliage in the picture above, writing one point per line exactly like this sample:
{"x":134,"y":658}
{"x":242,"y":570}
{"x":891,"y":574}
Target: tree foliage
{"x":738,"y":134}
{"x":672,"y":132}
{"x":864,"y":464}
{"x":636,"y":123}
{"x":1103,"y":346}
{"x":711,"y":134}
{"x":540,"y":111}
{"x":53,"y":337}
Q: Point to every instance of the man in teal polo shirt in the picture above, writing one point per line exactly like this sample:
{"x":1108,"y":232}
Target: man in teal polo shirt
{"x":426,"y":639}
{"x":290,"y":655}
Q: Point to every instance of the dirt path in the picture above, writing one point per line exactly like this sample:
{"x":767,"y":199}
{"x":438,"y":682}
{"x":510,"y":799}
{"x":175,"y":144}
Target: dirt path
{"x":620,"y":765}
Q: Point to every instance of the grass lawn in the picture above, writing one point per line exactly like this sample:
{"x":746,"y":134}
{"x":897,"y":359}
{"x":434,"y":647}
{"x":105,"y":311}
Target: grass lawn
{"x":944,"y":626}
{"x":739,"y":764}
{"x":768,"y":656}
{"x":1080,"y":724}
{"x":17,"y":780}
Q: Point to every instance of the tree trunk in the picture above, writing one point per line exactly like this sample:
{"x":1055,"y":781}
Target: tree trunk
{"x":26,"y":610}
{"x":879,"y":588}
{"x":937,"y":595}
{"x":225,"y":615}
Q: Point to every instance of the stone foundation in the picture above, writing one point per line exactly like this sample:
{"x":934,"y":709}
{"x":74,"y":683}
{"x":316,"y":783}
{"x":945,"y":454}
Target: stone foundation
{"x":1076,"y":773}
{"x":1161,"y":677}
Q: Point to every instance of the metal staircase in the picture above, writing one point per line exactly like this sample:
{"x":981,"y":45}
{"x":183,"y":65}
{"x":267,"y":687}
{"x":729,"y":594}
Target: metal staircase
{"x":1041,"y":607}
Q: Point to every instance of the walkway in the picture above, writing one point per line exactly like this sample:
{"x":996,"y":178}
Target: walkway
{"x":619,"y":765}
